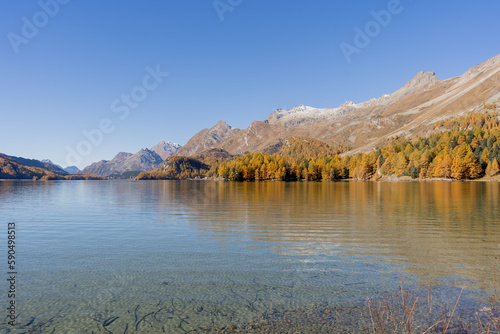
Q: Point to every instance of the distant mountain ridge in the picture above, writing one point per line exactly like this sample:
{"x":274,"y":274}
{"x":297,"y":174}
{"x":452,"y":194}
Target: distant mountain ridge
{"x":21,"y":168}
{"x":144,"y":160}
{"x":69,"y":169}
{"x":410,"y":111}
{"x":123,"y":162}
{"x":72,"y":169}
{"x":49,"y":166}
{"x":308,"y":115}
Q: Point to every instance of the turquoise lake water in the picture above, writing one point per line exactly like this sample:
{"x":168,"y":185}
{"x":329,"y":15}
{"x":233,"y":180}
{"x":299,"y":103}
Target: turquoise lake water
{"x":181,"y":256}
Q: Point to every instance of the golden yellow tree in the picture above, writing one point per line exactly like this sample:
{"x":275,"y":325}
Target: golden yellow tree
{"x":437,"y":167}
{"x":459,"y":166}
{"x":401,"y":163}
{"x":473,"y":167}
{"x":493,"y":168}
{"x":446,"y":166}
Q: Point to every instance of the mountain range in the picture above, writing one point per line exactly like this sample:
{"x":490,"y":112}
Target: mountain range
{"x":123,"y":164}
{"x":69,"y":169}
{"x":44,"y":164}
{"x":20,"y":168}
{"x":410,"y":111}
{"x":143,"y":160}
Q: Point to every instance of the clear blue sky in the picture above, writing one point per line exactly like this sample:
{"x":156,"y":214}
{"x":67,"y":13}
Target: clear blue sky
{"x":262,"y":56}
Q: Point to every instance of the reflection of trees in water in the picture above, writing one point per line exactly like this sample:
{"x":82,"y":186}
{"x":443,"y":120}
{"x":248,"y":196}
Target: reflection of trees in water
{"x":433,"y":225}
{"x":438,"y":229}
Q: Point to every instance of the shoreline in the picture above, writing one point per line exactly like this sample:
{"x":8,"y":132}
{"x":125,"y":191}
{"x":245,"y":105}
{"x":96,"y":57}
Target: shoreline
{"x":385,"y":179}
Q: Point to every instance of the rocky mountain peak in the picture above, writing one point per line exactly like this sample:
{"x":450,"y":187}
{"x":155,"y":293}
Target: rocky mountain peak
{"x":422,"y":79}
{"x":143,"y":160}
{"x":294,"y":113}
{"x":69,"y":169}
{"x":221,"y":129}
{"x":221,"y":126}
{"x":169,"y":143}
{"x":348,"y":104}
{"x":207,"y":138}
{"x":165,"y":149}
{"x":299,"y":108}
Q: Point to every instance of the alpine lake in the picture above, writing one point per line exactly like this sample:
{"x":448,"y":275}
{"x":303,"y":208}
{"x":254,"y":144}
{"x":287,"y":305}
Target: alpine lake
{"x":207,"y":256}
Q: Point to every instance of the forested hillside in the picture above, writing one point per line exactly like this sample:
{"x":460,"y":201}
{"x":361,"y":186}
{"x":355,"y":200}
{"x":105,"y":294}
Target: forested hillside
{"x":12,"y":168}
{"x":460,"y":148}
{"x":182,"y":167}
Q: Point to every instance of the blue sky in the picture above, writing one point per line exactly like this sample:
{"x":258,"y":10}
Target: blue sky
{"x":226,"y":59}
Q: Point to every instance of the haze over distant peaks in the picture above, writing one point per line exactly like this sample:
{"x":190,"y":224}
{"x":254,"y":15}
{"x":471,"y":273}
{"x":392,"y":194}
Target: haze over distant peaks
{"x":72,"y":169}
{"x":69,"y":169}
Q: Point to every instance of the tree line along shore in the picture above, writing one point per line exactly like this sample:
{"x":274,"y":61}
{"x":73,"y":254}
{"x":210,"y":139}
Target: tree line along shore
{"x":459,"y":148}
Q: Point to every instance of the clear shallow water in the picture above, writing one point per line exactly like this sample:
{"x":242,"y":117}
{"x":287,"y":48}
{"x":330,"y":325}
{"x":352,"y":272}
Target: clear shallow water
{"x":175,"y":256}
